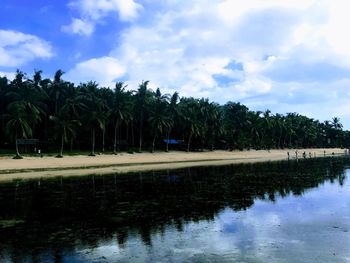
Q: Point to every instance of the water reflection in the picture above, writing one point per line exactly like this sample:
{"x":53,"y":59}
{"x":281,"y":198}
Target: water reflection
{"x":171,"y":215}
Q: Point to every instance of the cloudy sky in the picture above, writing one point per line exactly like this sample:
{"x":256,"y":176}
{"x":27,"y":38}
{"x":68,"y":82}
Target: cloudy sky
{"x":286,"y":56}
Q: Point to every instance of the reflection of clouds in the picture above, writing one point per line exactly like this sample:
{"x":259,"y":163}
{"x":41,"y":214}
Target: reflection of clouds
{"x":309,"y":228}
{"x":297,"y":227}
{"x":103,"y":250}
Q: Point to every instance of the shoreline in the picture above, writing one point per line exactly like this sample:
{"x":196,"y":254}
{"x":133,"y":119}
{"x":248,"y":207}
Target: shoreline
{"x":36,"y":167}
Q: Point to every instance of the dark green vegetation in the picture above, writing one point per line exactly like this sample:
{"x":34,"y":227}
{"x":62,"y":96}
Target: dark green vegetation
{"x":51,"y":220}
{"x":62,"y":116}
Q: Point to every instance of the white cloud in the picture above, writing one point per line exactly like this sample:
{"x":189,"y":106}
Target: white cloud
{"x":93,"y":11}
{"x":291,"y":52}
{"x":8,"y":75}
{"x":184,"y":50}
{"x":104,"y":70}
{"x":17,"y":48}
{"x":80,"y":27}
{"x":96,"y":9}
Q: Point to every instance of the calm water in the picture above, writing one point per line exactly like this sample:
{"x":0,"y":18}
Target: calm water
{"x":274,"y":212}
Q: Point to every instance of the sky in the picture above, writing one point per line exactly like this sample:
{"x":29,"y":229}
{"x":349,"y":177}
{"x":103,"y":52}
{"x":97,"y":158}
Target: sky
{"x":286,"y":56}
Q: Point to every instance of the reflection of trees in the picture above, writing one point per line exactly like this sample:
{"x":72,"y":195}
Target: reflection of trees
{"x":62,"y":214}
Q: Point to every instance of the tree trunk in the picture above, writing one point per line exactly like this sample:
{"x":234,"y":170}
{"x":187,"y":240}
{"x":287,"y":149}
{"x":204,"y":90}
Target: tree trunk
{"x":140,"y":135}
{"x":140,"y":139}
{"x":118,"y":138}
{"x":132,"y":134}
{"x":189,"y":142}
{"x":167,"y":141}
{"x":285,"y":140}
{"x":62,"y":143}
{"x":140,"y":143}
{"x":115,"y":137}
{"x":279,"y":139}
{"x":154,"y":141}
{"x":2,"y":117}
{"x":92,"y":142}
{"x":57,"y":95}
{"x":127,"y":131}
{"x":103,"y":139}
{"x":290,"y":140}
{"x":17,"y":151}
{"x":71,"y":144}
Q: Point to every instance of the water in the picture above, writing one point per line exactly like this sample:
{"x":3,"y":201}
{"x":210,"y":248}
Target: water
{"x":273,"y":212}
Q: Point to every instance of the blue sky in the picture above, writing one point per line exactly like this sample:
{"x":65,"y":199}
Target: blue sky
{"x":286,"y":56}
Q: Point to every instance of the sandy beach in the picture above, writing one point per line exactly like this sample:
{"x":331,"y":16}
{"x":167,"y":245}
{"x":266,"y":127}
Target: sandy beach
{"x":36,"y":167}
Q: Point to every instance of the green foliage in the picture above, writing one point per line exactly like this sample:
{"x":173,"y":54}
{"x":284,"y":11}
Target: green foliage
{"x":60,"y":114}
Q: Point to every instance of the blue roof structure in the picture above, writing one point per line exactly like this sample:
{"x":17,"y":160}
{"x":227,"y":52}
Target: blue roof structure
{"x":171,"y":141}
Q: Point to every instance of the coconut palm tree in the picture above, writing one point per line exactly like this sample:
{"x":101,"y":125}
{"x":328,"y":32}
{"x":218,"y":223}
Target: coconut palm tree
{"x":336,"y":133}
{"x":56,"y":88}
{"x":18,"y":124}
{"x":121,"y":111}
{"x":336,"y":123}
{"x":141,"y":100}
{"x":4,"y":88}
{"x":172,"y":113}
{"x":236,"y":123}
{"x":74,"y":106}
{"x":189,"y":114}
{"x":30,"y":98}
{"x":94,"y":118}
{"x":159,"y":119}
{"x":106,"y":95}
{"x":65,"y":127}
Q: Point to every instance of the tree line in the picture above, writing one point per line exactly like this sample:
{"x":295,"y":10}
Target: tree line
{"x":62,"y":115}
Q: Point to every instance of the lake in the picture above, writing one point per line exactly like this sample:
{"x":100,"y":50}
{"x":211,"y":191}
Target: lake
{"x":267,"y":212}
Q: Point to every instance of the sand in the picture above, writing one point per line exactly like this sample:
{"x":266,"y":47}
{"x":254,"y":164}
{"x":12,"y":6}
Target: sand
{"x":36,"y":167}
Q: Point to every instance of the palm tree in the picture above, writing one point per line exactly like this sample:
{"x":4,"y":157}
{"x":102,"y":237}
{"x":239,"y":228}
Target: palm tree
{"x":17,"y":83}
{"x":37,"y":77}
{"x":236,"y":123}
{"x":254,"y":128}
{"x":173,"y":114}
{"x":106,"y":96}
{"x":209,"y":118}
{"x":141,"y":97}
{"x":18,"y":123}
{"x":74,"y":106}
{"x":291,"y":121}
{"x":189,"y":108}
{"x":121,"y":111}
{"x":158,"y":118}
{"x":30,"y":98}
{"x":93,"y":115}
{"x":336,"y":133}
{"x":4,"y":87}
{"x":336,"y":123}
{"x":266,"y":129}
{"x":65,"y":127}
{"x":57,"y":88}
